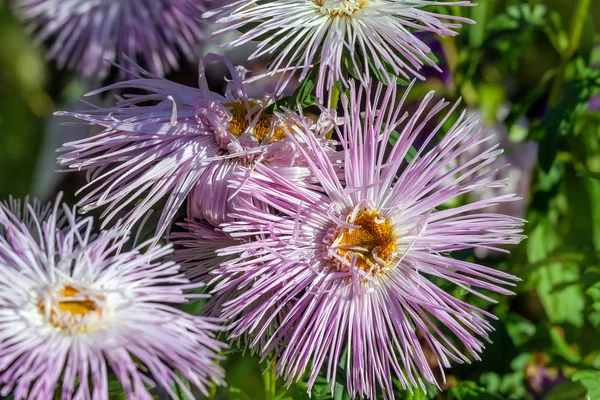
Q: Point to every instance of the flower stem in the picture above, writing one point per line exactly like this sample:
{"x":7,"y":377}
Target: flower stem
{"x":577,"y":23}
{"x":270,"y":382}
{"x":212,"y":391}
{"x":333,"y":103}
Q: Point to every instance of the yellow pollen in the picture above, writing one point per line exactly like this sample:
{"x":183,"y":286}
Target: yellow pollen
{"x":75,"y":307}
{"x":375,"y":235}
{"x":67,"y":313}
{"x":240,"y":122}
{"x":343,"y":8}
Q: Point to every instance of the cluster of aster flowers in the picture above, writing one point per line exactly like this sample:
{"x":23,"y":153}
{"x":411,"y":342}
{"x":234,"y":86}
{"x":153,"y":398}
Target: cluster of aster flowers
{"x":321,"y":235}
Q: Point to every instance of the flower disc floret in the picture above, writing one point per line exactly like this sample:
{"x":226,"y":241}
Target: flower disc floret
{"x":71,"y":309}
{"x":241,"y":119}
{"x":370,"y":246}
{"x":337,"y":8}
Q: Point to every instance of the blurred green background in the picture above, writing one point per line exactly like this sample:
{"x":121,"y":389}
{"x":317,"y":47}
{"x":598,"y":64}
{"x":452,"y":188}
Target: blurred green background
{"x":531,"y":70}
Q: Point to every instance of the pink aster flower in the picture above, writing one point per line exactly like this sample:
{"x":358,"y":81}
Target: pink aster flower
{"x":345,"y":275}
{"x":76,"y":309}
{"x":372,"y":34}
{"x":84,"y":33}
{"x":179,"y":142}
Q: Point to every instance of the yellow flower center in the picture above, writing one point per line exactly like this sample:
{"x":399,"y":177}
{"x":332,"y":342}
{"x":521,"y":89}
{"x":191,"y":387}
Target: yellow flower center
{"x":372,"y":243}
{"x":71,"y":309}
{"x":75,"y":307}
{"x":240,"y":122}
{"x":342,"y":8}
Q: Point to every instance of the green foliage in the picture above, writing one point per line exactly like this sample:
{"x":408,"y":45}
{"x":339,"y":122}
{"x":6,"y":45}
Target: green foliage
{"x":468,"y":390}
{"x":561,"y":120}
{"x":590,"y":380}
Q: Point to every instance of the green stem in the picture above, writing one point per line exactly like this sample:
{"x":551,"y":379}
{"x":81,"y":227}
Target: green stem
{"x":270,"y":382}
{"x":212,"y":392}
{"x":333,"y":103}
{"x":574,"y":37}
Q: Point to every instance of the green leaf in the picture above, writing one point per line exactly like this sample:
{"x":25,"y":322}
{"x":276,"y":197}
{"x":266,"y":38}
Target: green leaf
{"x":115,"y":389}
{"x":302,"y":97}
{"x":237,"y":394}
{"x":590,"y":379}
{"x":381,"y":77}
{"x":566,"y":391}
{"x":593,"y":175}
{"x":515,"y":22}
{"x":560,"y":120}
{"x":468,"y":390}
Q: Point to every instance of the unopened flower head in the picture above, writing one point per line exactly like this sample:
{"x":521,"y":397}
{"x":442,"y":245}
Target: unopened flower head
{"x":349,"y":265}
{"x":82,"y":34}
{"x":74,"y":306}
{"x":188,"y":141}
{"x":370,"y":34}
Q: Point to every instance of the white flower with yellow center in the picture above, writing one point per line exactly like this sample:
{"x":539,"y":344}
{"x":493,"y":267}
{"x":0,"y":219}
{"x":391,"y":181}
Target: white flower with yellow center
{"x":75,"y":309}
{"x":375,"y":35}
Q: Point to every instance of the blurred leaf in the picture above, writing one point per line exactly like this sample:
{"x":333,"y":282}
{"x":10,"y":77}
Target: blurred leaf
{"x":467,"y":390}
{"x":237,"y":394}
{"x":519,"y":328}
{"x":562,"y":304}
{"x":591,"y":381}
{"x":115,"y":389}
{"x":512,"y":383}
{"x":498,"y":356}
{"x":561,"y":348}
{"x":566,"y":391}
{"x":593,"y":175}
{"x":515,"y":21}
{"x":341,"y":393}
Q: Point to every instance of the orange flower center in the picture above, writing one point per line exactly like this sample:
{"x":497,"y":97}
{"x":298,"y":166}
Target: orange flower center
{"x":240,"y":122}
{"x":372,"y":243}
